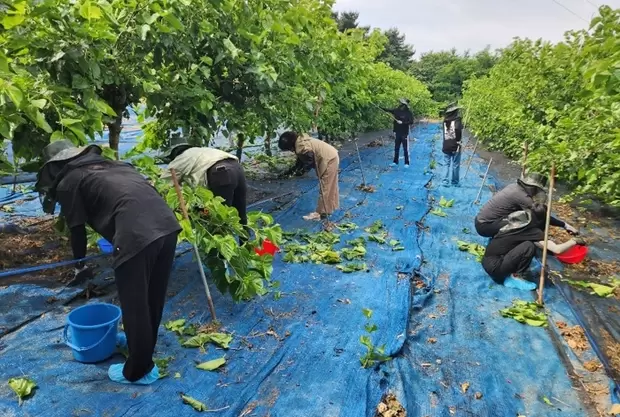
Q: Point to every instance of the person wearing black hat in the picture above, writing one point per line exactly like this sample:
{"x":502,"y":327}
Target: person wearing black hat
{"x":509,"y":254}
{"x":452,"y":133}
{"x":403,"y":119}
{"x":120,"y":205}
{"x":211,"y":168}
{"x":512,"y":198}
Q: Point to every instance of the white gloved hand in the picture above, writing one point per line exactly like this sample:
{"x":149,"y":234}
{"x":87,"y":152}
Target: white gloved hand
{"x":570,"y":229}
{"x":82,"y":273}
{"x":399,"y":122}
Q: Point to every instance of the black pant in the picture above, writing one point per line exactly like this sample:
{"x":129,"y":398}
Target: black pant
{"x":516,"y":261}
{"x":489,"y":229}
{"x":401,"y":138}
{"x":226,"y":179}
{"x":142,"y":282}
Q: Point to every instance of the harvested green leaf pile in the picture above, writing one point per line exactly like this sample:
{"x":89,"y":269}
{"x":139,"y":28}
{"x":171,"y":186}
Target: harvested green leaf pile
{"x":23,"y":387}
{"x":602,"y":290}
{"x":525,"y":312}
{"x":473,"y":248}
{"x":319,"y":248}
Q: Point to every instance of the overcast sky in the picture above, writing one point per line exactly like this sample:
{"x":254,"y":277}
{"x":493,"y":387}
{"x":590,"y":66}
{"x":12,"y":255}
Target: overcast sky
{"x":474,"y":24}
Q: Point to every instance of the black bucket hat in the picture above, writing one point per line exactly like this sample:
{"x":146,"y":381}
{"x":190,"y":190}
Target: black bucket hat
{"x":177,"y":146}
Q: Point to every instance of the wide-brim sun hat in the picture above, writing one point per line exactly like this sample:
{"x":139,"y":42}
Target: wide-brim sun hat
{"x":534,"y":179}
{"x":177,"y":146}
{"x":65,"y":150}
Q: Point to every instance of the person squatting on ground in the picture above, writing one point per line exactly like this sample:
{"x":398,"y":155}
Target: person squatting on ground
{"x":452,"y":135}
{"x":510,"y":253}
{"x":120,"y":205}
{"x":403,"y":119}
{"x":314,"y":153}
{"x":514,"y":197}
{"x":211,"y":168}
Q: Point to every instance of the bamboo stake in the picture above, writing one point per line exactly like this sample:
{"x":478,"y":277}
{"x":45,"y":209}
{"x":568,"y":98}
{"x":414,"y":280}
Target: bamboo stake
{"x":471,"y":158}
{"x":525,"y":149}
{"x":177,"y":187}
{"x":541,"y":283}
{"x":483,"y":181}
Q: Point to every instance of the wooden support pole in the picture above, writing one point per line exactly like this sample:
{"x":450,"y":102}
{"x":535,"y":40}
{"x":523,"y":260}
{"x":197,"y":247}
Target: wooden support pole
{"x":523,"y":163}
{"x":177,"y":187}
{"x":471,"y":158}
{"x":484,"y":179}
{"x":359,"y":158}
{"x":541,"y":283}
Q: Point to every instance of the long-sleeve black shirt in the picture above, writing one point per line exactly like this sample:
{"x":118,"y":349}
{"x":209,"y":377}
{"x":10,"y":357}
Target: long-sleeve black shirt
{"x":404,"y":115}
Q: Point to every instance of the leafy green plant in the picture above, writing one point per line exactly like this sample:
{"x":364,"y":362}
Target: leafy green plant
{"x":433,"y":164}
{"x":473,"y":248}
{"x":346,"y":227}
{"x":525,"y":312}
{"x":201,"y":339}
{"x":375,"y":227}
{"x":23,"y":387}
{"x":396,"y":245}
{"x":374,"y":354}
{"x":378,"y":238}
{"x":355,"y":252}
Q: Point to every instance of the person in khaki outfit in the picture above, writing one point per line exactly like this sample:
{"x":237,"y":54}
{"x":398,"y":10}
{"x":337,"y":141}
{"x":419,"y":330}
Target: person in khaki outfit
{"x":314,"y":153}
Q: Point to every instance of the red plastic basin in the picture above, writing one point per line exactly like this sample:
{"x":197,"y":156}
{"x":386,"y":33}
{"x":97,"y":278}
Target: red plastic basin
{"x":574,"y":255}
{"x":268,"y":247}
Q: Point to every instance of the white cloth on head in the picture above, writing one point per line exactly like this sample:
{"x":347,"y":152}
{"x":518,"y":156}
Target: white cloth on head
{"x":192,"y":165}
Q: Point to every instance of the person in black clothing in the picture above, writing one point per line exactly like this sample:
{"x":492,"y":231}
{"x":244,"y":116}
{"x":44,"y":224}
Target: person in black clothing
{"x":452,"y":135}
{"x":510,"y":252}
{"x":120,"y":205}
{"x":403,"y":119}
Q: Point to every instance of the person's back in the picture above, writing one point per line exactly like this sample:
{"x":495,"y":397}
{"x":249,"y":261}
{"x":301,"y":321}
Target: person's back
{"x":118,"y":203}
{"x":508,"y":200}
{"x":323,"y":152}
{"x":193,"y":164}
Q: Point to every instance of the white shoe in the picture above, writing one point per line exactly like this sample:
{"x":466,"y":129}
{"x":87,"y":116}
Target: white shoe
{"x":313,"y":216}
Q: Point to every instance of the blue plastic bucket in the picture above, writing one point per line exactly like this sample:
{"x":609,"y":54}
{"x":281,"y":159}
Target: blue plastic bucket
{"x":105,"y":246}
{"x":93,"y":332}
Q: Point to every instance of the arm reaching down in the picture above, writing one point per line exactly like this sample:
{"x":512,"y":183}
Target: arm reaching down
{"x":78,"y":243}
{"x":558,"y":249}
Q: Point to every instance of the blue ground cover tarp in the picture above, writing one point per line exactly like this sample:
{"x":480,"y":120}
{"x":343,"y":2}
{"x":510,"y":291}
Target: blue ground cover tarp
{"x":298,"y":355}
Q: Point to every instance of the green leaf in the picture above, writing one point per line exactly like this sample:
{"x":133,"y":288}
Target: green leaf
{"x":438,"y":212}
{"x":446,"y":203}
{"x":104,"y":108}
{"x":352,"y":267}
{"x":23,"y":387}
{"x":144,"y":30}
{"x":367,"y":312}
{"x":221,"y":339}
{"x":196,"y":405}
{"x":547,"y":401}
{"x":10,"y":21}
{"x":177,"y":326}
{"x":174,"y":21}
{"x":68,"y":122}
{"x":39,"y":104}
{"x":212,"y":365}
{"x":89,"y":10}
{"x":15,"y":94}
{"x":234,"y":52}
{"x":78,"y":132}
{"x":56,"y":136}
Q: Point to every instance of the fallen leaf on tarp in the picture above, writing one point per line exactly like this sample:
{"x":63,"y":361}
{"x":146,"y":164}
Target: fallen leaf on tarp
{"x":201,"y":339}
{"x":478,"y":395}
{"x":375,"y":227}
{"x":355,"y":252}
{"x":431,"y":340}
{"x":196,"y":405}
{"x":597,"y":289}
{"x":615,"y":410}
{"x":346,"y":227}
{"x":352,"y":267}
{"x":547,"y":401}
{"x":400,"y":207}
{"x":464,"y":387}
{"x":212,"y":365}
{"x":380,"y":238}
{"x":438,"y":212}
{"x":526,"y":312}
{"x":592,"y":366}
{"x":23,"y":387}
{"x":390,"y":407}
{"x":344,"y":301}
{"x":472,"y":248}
{"x":162,"y":364}
{"x":367,"y":188}
{"x":175,"y":326}
{"x":177,"y":375}
{"x":446,"y":203}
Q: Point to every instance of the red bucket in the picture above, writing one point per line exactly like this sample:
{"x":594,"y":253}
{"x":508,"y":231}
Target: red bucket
{"x":268,"y":247}
{"x":574,"y":255}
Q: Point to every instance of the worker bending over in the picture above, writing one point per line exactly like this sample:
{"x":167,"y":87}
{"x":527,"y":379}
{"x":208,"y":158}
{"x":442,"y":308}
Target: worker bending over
{"x":510,"y":253}
{"x":120,"y":205}
{"x":403,"y":119}
{"x":314,"y":153}
{"x":211,"y":168}
{"x":514,"y":197}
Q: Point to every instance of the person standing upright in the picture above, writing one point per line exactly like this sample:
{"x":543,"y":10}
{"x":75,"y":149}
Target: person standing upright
{"x":403,"y":119}
{"x":452,"y":135}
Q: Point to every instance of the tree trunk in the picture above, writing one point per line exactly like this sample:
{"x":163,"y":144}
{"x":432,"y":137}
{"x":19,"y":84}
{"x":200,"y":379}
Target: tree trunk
{"x":240,"y":143}
{"x":268,"y":144}
{"x":114,"y":130}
